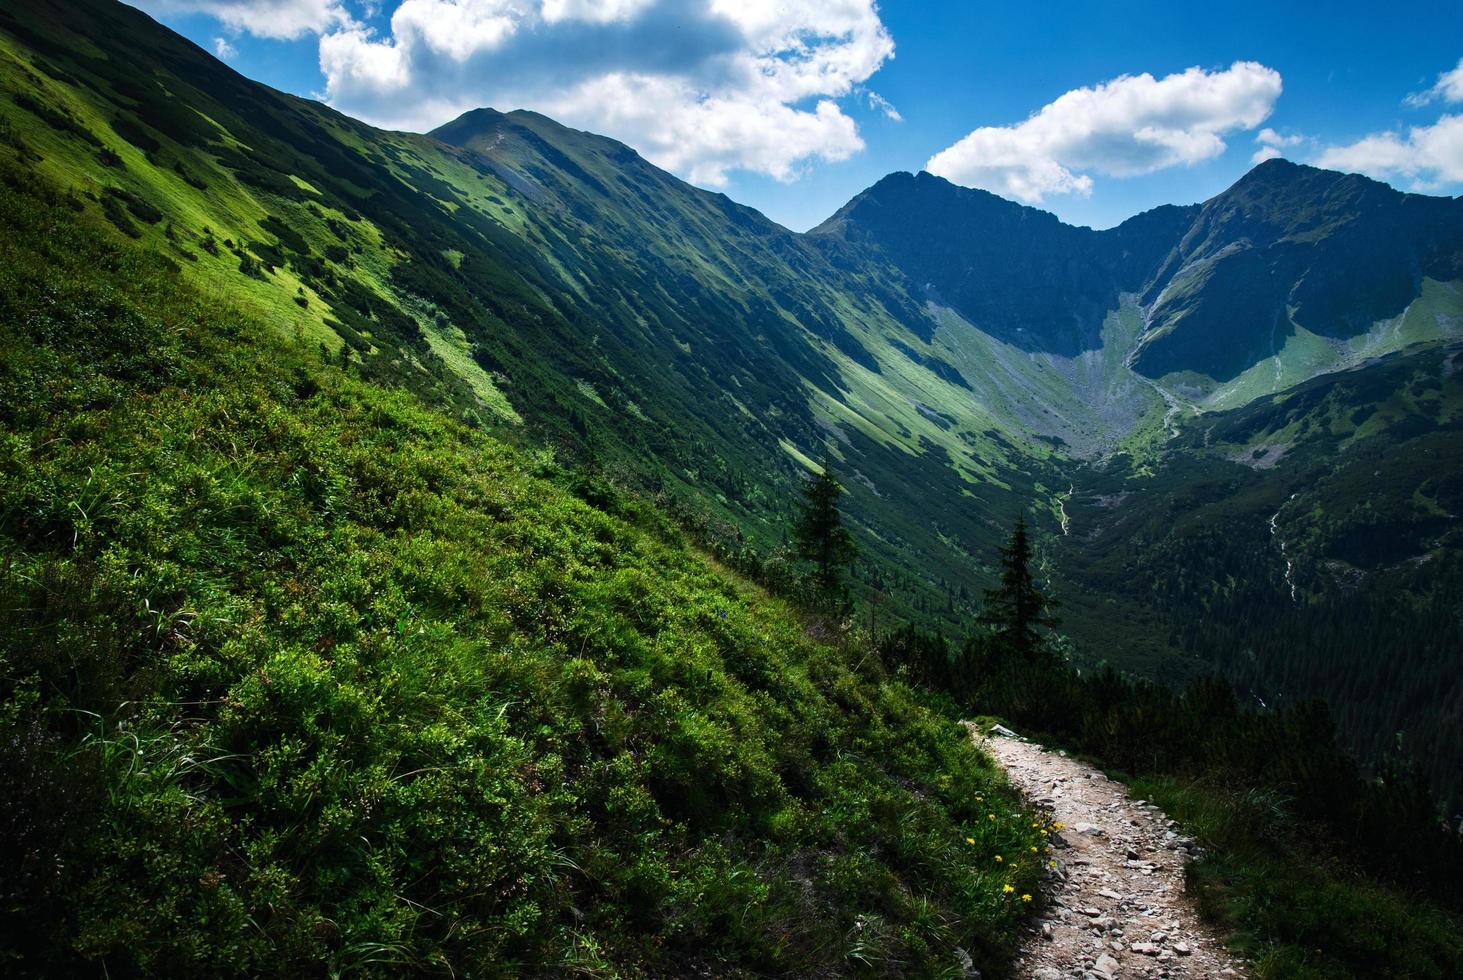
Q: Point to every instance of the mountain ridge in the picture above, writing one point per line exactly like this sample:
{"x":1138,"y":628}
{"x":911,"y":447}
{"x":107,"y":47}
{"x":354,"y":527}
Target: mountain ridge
{"x":552,"y":286}
{"x":1030,"y":279}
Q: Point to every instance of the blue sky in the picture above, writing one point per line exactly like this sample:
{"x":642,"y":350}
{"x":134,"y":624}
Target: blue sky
{"x":789,"y":106}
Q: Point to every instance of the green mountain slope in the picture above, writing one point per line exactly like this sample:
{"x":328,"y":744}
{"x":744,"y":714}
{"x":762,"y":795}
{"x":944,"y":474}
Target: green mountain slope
{"x":299,"y":675}
{"x":1304,"y":543}
{"x":1127,"y":345}
{"x":1290,"y":273}
{"x":959,"y":358}
{"x":1291,"y":252}
{"x":1016,"y":272}
{"x":548,"y":284}
{"x":1308,"y":545}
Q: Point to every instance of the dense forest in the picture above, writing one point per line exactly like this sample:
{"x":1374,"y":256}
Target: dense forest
{"x":1334,"y":577}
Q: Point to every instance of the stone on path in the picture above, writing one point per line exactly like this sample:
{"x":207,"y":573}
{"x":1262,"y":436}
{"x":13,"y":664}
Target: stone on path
{"x":1115,"y":913}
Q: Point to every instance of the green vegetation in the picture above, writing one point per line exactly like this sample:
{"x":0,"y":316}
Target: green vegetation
{"x":822,"y":539}
{"x":550,"y":285}
{"x":1304,"y":547}
{"x":314,"y":659}
{"x":1314,"y":870}
{"x":1289,"y":903}
{"x":953,"y":354}
{"x":299,"y":675}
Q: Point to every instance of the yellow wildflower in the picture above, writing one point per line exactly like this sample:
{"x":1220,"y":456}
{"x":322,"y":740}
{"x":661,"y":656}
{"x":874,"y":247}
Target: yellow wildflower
{"x":1025,"y":898}
{"x":970,"y":840}
{"x":998,"y":859}
{"x":1008,"y":889}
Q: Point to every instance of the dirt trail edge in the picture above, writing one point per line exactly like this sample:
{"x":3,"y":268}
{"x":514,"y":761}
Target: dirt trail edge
{"x":1119,"y":908}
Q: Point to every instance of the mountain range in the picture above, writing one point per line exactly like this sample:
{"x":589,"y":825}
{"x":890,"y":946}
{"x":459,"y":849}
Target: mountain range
{"x":1235,"y":423}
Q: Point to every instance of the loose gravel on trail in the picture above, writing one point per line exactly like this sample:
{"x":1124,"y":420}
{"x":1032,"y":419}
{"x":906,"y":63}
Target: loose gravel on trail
{"x":1118,"y":908}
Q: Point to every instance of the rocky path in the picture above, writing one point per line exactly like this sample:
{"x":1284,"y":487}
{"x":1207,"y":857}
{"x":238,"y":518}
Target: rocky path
{"x":1119,"y":908}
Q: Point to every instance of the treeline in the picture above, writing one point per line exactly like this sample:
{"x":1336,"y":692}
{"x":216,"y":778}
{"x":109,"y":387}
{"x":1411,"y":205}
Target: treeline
{"x":1013,"y":665}
{"x":1010,"y":667}
{"x":1384,"y":656}
{"x":1368,"y":615}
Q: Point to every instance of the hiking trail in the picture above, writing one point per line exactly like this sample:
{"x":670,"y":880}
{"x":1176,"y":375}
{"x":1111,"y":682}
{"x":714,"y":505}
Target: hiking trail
{"x":1118,"y":908}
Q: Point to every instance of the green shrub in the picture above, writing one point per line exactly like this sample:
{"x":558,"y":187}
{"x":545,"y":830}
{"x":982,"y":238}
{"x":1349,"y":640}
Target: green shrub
{"x":324,"y":681}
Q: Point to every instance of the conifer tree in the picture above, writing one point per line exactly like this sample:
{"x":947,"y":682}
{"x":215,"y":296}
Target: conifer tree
{"x":821,"y":536}
{"x":1016,"y":611}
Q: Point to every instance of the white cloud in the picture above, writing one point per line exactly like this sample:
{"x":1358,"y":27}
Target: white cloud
{"x":1448,"y":88}
{"x":1132,"y":125}
{"x":701,"y":88}
{"x":264,"y":18}
{"x":1423,"y":158}
{"x":880,"y":104}
{"x":703,"y":138}
{"x":1273,"y":144}
{"x":1270,"y":137}
{"x":1427,"y":156}
{"x":595,"y":11}
{"x":377,"y":69}
{"x":223,"y":48}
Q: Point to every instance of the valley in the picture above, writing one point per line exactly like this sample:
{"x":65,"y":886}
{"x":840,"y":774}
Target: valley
{"x":961,"y":358}
{"x":412,"y":525}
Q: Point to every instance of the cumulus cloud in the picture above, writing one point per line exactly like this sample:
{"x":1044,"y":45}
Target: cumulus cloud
{"x":283,"y":19}
{"x":1132,"y":125}
{"x":1423,"y":158}
{"x":223,"y":48}
{"x":1448,"y":88}
{"x":596,"y":11}
{"x":1427,"y":157}
{"x":1273,"y":144}
{"x":702,"y":87}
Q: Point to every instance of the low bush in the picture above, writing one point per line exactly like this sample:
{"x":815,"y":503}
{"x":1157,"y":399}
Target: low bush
{"x":298,"y":675}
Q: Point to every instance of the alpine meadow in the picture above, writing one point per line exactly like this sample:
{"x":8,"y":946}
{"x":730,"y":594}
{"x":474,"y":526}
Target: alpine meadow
{"x":487,"y":552}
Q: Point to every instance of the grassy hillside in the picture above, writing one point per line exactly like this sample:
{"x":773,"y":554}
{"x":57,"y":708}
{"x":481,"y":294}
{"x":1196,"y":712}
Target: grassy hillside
{"x":547,"y":284}
{"x":299,"y":674}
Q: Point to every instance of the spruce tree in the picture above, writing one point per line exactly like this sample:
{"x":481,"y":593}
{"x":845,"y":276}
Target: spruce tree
{"x":1016,"y":611}
{"x":821,"y":536}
